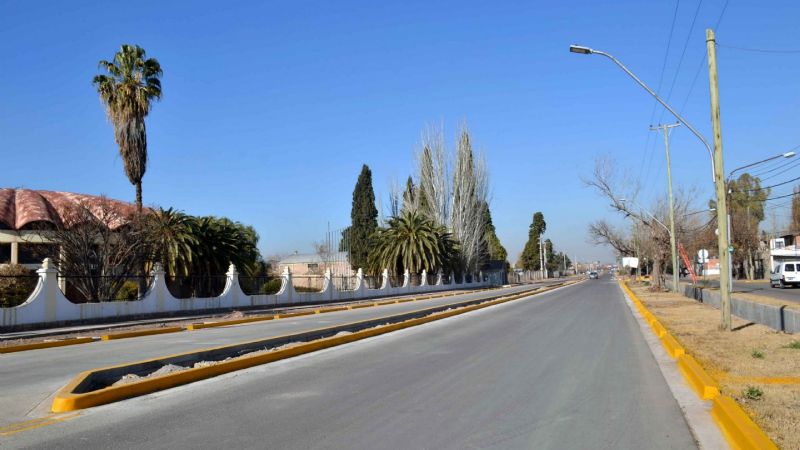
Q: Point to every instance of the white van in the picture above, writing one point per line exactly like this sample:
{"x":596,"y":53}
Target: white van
{"x":786,"y":273}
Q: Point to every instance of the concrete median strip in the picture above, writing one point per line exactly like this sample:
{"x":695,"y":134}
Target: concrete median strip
{"x":737,"y":427}
{"x":100,"y":386}
{"x":221,"y":323}
{"x":130,"y":334}
{"x":46,"y":344}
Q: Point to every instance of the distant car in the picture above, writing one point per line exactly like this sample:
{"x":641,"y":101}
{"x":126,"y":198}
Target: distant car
{"x":786,"y":273}
{"x":593,"y":275}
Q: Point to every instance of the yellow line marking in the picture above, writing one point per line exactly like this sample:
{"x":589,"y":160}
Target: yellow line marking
{"x":26,"y":425}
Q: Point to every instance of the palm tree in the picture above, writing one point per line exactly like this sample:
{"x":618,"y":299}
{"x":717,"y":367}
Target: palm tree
{"x":412,"y":242}
{"x":131,"y":84}
{"x":173,"y":236}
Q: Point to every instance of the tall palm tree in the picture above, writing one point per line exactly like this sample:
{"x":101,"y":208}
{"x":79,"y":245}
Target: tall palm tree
{"x":412,"y":242}
{"x":128,"y":89}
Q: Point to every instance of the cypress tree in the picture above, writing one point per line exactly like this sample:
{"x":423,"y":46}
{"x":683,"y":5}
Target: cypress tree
{"x":409,"y":196}
{"x":494,"y":249}
{"x":364,"y":219}
{"x":530,"y":254}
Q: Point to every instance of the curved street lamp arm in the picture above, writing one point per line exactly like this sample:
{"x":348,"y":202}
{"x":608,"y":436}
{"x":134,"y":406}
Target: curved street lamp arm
{"x":664,"y":104}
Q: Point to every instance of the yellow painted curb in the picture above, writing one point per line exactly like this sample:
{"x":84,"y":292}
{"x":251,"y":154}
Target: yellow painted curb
{"x":225,"y":323}
{"x":658,"y":329}
{"x":702,"y":383}
{"x":65,"y":400}
{"x":49,"y":344}
{"x":741,"y":432}
{"x":130,"y":334}
{"x":294,"y":314}
{"x":737,"y":427}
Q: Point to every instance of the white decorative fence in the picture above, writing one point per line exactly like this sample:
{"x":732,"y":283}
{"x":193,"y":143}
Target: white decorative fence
{"x":47,"y":305}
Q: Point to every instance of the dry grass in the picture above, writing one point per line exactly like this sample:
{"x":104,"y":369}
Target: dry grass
{"x":738,"y":360}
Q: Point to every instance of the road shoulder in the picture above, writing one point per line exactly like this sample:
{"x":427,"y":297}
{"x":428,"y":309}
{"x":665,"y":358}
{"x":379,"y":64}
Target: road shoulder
{"x":695,"y":411}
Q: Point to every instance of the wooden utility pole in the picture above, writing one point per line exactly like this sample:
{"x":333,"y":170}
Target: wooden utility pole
{"x":723,"y":243}
{"x":672,"y":237}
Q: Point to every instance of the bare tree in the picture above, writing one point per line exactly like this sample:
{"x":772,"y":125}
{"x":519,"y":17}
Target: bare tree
{"x":99,"y":248}
{"x":434,"y":176}
{"x":603,"y":233}
{"x":654,"y":238}
{"x":470,"y":191}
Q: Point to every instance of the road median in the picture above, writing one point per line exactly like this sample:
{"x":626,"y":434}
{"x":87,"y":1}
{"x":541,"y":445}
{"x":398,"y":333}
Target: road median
{"x":101,"y":386}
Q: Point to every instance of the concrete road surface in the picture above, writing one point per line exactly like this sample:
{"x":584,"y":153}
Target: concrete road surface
{"x":29,"y":379}
{"x":762,"y":288}
{"x":564,"y":370}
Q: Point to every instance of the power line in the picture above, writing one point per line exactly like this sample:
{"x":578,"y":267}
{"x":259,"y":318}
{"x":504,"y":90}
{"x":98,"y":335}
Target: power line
{"x":774,"y":185}
{"x":683,"y":53}
{"x":757,"y":50}
{"x":658,"y":90}
{"x":703,"y":59}
{"x":786,"y":168}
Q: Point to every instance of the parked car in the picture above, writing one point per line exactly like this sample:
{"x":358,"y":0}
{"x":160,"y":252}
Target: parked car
{"x":787,"y":273}
{"x":593,"y":275}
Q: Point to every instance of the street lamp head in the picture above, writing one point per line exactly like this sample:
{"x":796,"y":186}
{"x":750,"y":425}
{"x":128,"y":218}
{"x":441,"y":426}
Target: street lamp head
{"x":580,"y":49}
{"x":788,"y":154}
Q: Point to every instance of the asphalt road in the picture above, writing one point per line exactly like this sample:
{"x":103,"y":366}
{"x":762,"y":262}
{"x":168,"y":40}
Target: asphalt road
{"x":762,"y":288}
{"x":566,"y":369}
{"x":29,"y":379}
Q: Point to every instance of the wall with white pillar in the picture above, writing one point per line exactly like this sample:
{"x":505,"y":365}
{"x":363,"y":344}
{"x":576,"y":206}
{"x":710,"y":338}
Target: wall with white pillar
{"x":47,"y":305}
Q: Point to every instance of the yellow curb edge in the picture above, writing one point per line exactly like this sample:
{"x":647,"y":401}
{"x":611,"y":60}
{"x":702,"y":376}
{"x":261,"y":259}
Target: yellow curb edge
{"x":739,"y":430}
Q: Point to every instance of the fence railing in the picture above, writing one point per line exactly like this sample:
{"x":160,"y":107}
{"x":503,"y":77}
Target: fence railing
{"x":15,"y":289}
{"x":196,"y":286}
{"x":260,"y":284}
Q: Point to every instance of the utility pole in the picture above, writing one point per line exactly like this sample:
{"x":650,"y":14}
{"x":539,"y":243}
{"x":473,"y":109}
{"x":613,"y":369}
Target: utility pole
{"x":672,"y":238}
{"x":541,"y":257}
{"x":544,"y":257}
{"x":719,"y":181}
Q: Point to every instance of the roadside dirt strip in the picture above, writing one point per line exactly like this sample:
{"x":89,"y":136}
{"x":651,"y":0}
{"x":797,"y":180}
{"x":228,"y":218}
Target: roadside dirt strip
{"x":739,"y":430}
{"x":110,"y":384}
{"x":48,"y":343}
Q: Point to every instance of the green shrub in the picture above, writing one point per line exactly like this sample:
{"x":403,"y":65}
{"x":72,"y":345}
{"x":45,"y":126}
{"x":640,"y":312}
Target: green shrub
{"x":752,"y":393}
{"x":271,"y":287}
{"x":794,"y":344}
{"x":305,"y":289}
{"x":16,"y":284}
{"x":758,"y":354}
{"x":128,"y":291}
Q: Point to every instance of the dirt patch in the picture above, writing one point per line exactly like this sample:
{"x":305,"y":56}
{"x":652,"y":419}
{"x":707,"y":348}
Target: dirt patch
{"x":738,"y":360}
{"x":233,"y":315}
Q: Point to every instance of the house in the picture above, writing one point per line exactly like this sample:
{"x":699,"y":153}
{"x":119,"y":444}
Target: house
{"x":25,"y":212}
{"x":308,"y":269}
{"x":783,"y":248}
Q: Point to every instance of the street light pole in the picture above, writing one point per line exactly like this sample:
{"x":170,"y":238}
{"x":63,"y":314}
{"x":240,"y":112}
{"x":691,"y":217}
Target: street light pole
{"x":715,"y":154}
{"x":672,"y":237}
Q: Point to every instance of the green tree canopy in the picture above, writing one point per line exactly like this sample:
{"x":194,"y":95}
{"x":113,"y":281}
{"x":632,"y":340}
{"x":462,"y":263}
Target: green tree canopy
{"x":494,"y":249}
{"x":411,"y":242}
{"x":530,"y":254}
{"x":364,"y":219}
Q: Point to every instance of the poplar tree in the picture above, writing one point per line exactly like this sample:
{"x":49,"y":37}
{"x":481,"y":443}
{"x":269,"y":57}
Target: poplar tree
{"x":364,"y":219}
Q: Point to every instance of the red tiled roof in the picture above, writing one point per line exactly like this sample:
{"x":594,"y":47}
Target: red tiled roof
{"x":19,"y":207}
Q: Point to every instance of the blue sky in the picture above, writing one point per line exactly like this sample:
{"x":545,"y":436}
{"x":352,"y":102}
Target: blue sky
{"x":270,"y":109}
